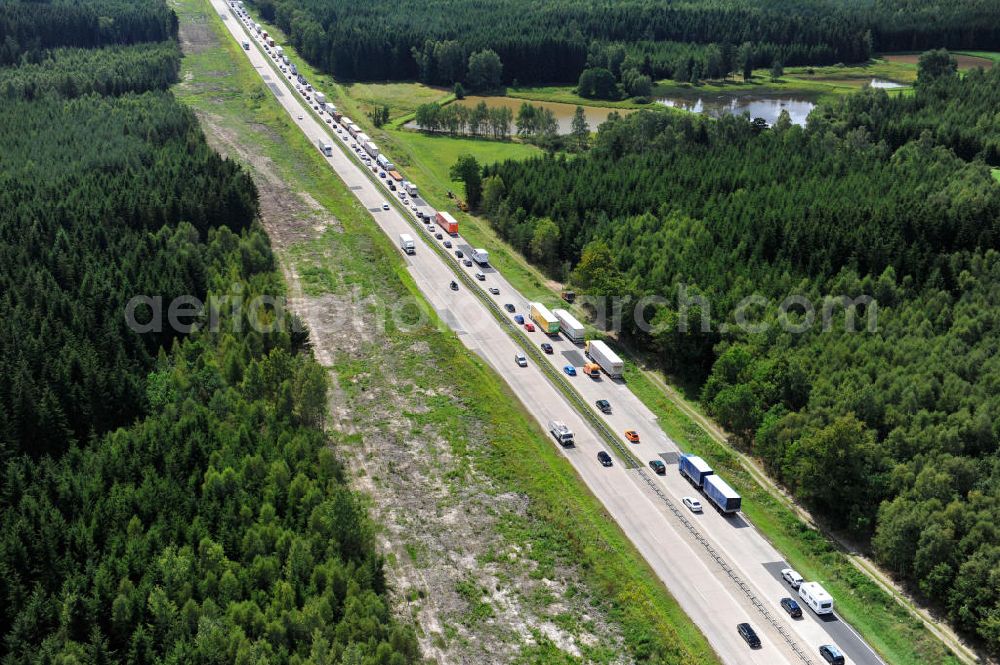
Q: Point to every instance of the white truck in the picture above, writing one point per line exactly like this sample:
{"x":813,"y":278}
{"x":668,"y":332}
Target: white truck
{"x":410,"y":188}
{"x":572,"y":328}
{"x":602,"y":354}
{"x":384,"y":162}
{"x":325,"y":147}
{"x":406,"y":243}
{"x":480,"y":256}
{"x":562,"y":433}
{"x":320,"y":98}
{"x":371,"y":149}
{"x":279,"y":51}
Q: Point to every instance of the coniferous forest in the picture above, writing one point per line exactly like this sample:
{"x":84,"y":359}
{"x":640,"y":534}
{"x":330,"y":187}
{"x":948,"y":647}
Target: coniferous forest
{"x":552,"y":42}
{"x":891,"y":435}
{"x":167,"y":496}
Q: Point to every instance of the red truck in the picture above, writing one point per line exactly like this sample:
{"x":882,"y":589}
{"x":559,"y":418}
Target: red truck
{"x":447,"y":222}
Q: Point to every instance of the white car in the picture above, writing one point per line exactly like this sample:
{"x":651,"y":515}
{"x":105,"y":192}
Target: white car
{"x":693,"y":504}
{"x":793,"y":578}
{"x":300,"y":116}
{"x":520,"y":360}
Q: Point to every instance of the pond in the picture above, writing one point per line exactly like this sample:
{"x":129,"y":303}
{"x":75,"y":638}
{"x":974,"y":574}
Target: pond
{"x":563,"y":112}
{"x":768,"y":108}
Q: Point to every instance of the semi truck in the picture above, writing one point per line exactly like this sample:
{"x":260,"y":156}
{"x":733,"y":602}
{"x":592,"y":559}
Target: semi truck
{"x":362,"y":137}
{"x":721,"y":494}
{"x":293,"y":69}
{"x":406,"y":243}
{"x":562,"y":433}
{"x":371,"y":149}
{"x":570,"y":327}
{"x":325,"y":147}
{"x":480,"y":256}
{"x":320,"y":98}
{"x":410,"y":188}
{"x":270,"y":42}
{"x":602,"y":354}
{"x":694,"y":468}
{"x":285,"y":60}
{"x":543,"y":318}
{"x":446,"y":222}
{"x":395,"y":176}
{"x":384,"y":162}
{"x":279,"y":51}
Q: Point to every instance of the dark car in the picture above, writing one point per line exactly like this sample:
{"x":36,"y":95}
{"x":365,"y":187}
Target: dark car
{"x":447,"y":244}
{"x":518,"y":319}
{"x":509,"y":308}
{"x":749,"y":635}
{"x":468,"y":263}
{"x":831,"y":654}
{"x":459,"y":253}
{"x":659,"y":467}
{"x":791,"y":607}
{"x":604,"y":405}
{"x":547,"y":348}
{"x":604,"y":458}
{"x":438,"y":236}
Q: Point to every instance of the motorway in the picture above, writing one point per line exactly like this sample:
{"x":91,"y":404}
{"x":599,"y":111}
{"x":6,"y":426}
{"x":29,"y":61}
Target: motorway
{"x":720,"y":569}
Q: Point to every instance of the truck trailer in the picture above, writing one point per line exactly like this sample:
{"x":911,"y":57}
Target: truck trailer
{"x":395,"y":176}
{"x":570,"y":327}
{"x":279,"y":51}
{"x":325,"y":147}
{"x":602,"y":354}
{"x":694,"y":468}
{"x":406,"y":243}
{"x":384,"y":162}
{"x":410,"y":188}
{"x":543,"y":318}
{"x":371,"y":149}
{"x":446,"y":222}
{"x":480,"y":256}
{"x":320,"y":98}
{"x":721,"y":494}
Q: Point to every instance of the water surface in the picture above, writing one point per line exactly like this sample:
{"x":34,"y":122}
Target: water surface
{"x":768,"y":108}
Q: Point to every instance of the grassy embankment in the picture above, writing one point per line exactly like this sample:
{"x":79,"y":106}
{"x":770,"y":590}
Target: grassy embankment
{"x":888,"y":626}
{"x":899,"y":637}
{"x":521,"y":459}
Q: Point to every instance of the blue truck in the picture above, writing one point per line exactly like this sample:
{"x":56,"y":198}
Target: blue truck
{"x":721,"y":494}
{"x":695,"y":468}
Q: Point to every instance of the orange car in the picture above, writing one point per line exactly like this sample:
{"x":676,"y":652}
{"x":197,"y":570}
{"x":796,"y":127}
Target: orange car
{"x":632,"y":435}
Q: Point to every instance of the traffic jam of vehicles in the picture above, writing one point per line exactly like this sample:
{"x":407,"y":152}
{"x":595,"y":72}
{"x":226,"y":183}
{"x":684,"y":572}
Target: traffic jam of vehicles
{"x":556,"y":326}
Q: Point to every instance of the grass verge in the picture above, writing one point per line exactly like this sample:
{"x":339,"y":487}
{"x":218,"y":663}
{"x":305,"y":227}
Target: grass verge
{"x":221,"y":82}
{"x":889,"y":628}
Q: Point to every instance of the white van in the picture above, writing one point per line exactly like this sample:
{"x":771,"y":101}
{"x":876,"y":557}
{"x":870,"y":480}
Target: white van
{"x":816,"y":597}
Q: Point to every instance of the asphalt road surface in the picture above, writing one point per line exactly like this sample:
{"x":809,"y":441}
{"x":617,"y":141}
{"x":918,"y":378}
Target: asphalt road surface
{"x":716,"y":590}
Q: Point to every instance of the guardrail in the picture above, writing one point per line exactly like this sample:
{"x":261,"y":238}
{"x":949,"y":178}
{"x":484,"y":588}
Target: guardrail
{"x":733,"y":575}
{"x":625,"y":455}
{"x":582,"y":407}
